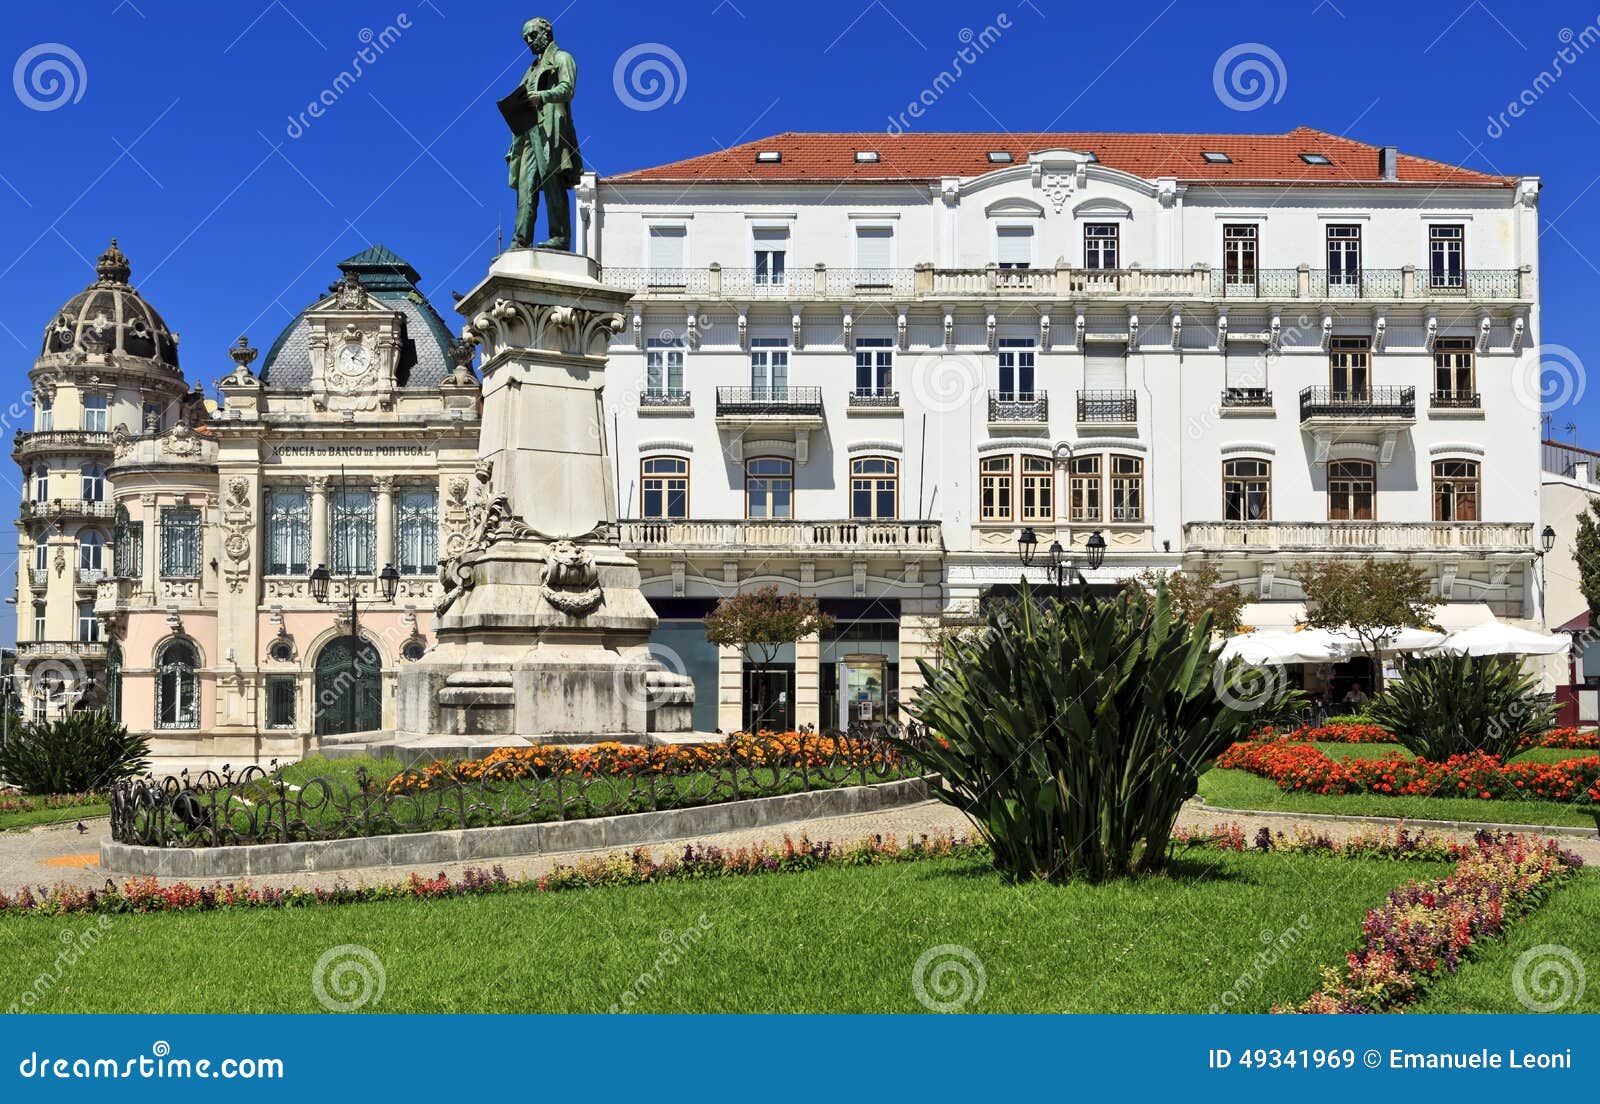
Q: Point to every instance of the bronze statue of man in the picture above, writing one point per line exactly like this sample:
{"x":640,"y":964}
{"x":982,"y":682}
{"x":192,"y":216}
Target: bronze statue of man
{"x":544,"y":157}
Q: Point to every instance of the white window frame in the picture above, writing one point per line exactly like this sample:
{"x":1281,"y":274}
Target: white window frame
{"x":44,"y":413}
{"x":998,"y":232}
{"x":787,"y":226}
{"x":102,"y":408}
{"x":680,"y":224}
{"x":858,"y":225}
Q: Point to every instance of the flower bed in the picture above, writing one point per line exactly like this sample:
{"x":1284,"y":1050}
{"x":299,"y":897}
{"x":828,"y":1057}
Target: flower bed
{"x":14,"y":802}
{"x":1348,"y":732}
{"x":1578,"y":739}
{"x":633,"y":868}
{"x":1301,"y":768}
{"x":1426,"y":929}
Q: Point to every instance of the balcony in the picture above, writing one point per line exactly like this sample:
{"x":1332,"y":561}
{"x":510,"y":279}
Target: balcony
{"x":38,"y":579}
{"x":1362,"y":536}
{"x":1246,"y":398}
{"x":1362,"y":406}
{"x":875,"y":399}
{"x":1465,"y":401}
{"x":89,"y":578}
{"x":666,"y":402}
{"x":35,"y":649}
{"x":1108,"y":407}
{"x":66,"y":508}
{"x":1200,"y":282}
{"x":114,"y":595}
{"x":49,"y":441}
{"x":1019,"y":408}
{"x":719,"y":537}
{"x":762,"y":402}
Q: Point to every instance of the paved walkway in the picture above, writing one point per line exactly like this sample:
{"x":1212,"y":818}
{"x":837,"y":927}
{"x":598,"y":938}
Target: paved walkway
{"x":60,"y":853}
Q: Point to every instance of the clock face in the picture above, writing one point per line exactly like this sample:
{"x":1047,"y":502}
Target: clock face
{"x":353,"y":359}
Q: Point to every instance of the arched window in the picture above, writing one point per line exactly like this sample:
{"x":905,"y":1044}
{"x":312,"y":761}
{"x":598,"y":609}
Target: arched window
{"x":1455,"y":490}
{"x":874,"y":487}
{"x":1246,"y":490}
{"x":769,"y":488}
{"x":91,"y":551}
{"x":664,"y":487}
{"x":177,"y":689}
{"x":93,"y":482}
{"x":41,"y":483}
{"x":1352,"y":490}
{"x":127,"y":548}
{"x":1016,"y":488}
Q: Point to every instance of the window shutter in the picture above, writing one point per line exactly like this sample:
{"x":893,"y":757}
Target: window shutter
{"x":772,"y":237}
{"x":667,"y":246}
{"x":1106,"y":369}
{"x":1015,"y":245}
{"x":874,"y":246}
{"x":1247,"y":365}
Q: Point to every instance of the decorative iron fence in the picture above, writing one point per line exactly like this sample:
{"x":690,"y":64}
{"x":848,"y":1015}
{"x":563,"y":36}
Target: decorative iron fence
{"x":510,"y":786}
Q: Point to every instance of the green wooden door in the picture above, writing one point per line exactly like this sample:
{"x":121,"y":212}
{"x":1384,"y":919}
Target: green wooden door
{"x":348,"y":694}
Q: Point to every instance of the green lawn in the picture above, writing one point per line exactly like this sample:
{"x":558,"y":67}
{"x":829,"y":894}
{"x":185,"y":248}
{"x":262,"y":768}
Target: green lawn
{"x":1570,"y":919}
{"x":838,"y":939}
{"x":1237,"y":789}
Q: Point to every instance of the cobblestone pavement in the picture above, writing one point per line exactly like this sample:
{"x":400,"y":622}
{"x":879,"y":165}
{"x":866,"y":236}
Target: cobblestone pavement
{"x":60,"y":853}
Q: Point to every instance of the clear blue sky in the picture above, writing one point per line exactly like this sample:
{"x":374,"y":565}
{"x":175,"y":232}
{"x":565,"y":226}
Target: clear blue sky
{"x":177,"y":128}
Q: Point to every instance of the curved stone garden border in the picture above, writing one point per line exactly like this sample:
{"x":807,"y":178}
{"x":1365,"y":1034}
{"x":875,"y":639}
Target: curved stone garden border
{"x":1409,"y":822}
{"x":506,"y":841}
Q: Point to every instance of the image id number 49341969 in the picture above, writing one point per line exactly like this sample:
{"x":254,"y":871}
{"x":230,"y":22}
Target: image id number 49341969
{"x":1275,"y":1058}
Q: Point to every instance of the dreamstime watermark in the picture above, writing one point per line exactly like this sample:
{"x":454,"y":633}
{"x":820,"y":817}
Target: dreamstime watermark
{"x":974,"y":44}
{"x":948,"y":977}
{"x":373,"y":46}
{"x":74,"y":945}
{"x":158,"y":1065}
{"x":943,"y":382}
{"x":650,"y":76}
{"x":1246,"y":687}
{"x":348,"y":977}
{"x":1275,"y":946}
{"x":675,"y":948}
{"x":1574,"y":46}
{"x":49,"y":76}
{"x":1249,"y":76}
{"x":1548,"y":978}
{"x":631,"y":679}
{"x":1551,"y":378}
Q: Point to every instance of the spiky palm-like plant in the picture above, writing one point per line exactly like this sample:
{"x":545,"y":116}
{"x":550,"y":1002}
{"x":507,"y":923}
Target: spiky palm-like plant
{"x":85,"y":750}
{"x":1072,"y":733}
{"x":1451,"y":704}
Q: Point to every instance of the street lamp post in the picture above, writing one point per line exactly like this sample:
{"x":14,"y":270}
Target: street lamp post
{"x":1060,"y":566}
{"x":1547,"y":542}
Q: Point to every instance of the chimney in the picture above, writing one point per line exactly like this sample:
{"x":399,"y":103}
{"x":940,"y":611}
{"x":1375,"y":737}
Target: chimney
{"x":1580,"y":472}
{"x":1389,"y":163}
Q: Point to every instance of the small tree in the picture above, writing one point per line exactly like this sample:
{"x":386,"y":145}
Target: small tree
{"x":1368,"y":599}
{"x":759,"y":622}
{"x":1196,"y":593}
{"x":1587,"y":553}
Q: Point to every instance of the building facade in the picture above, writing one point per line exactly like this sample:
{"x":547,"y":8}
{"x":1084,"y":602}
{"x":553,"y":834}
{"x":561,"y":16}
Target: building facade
{"x":859,"y":366}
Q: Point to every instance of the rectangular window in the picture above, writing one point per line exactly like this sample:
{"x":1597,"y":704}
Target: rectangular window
{"x":1446,"y":257}
{"x":874,"y":250}
{"x":127,"y":553}
{"x":92,"y":483}
{"x":41,"y":556}
{"x":771,"y":255}
{"x":1101,"y":245}
{"x":1038,"y":488}
{"x":1014,"y":246}
{"x":769,"y":369}
{"x":874,"y":488}
{"x":1105,"y":368}
{"x":1085,"y":488}
{"x":88,"y":623}
{"x":1344,"y":260}
{"x":769,"y":488}
{"x":288,"y":532}
{"x":874,"y":367}
{"x":41,"y":484}
{"x":1246,"y":490}
{"x":666,"y":257}
{"x":1015,"y":361}
{"x":416,"y":530}
{"x":663,"y":367}
{"x":1246,"y":370}
{"x":1455,"y":490}
{"x":280,"y":701}
{"x":1349,"y":369}
{"x":352,"y":532}
{"x":38,"y":620}
{"x":1127,"y":488}
{"x":180,"y":542}
{"x":1352,"y":490}
{"x":44,"y":414}
{"x":1453,"y":378}
{"x":994,"y":488}
{"x":664,"y":487}
{"x":1239,"y":255}
{"x":94,"y":413}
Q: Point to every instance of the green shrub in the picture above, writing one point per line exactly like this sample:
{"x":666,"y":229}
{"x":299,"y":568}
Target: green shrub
{"x":1451,"y":704}
{"x":86,"y":750}
{"x":1072,"y":733}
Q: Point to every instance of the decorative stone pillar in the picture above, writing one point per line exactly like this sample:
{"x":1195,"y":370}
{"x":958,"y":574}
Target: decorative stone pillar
{"x":808,"y":681}
{"x":318,"y":486}
{"x":383,"y":491}
{"x":730,"y":688}
{"x":150,"y":518}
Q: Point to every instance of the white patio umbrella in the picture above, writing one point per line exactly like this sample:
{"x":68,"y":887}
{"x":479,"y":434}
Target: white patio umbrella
{"x":1278,"y":646}
{"x":1412,"y":640}
{"x":1498,"y":638}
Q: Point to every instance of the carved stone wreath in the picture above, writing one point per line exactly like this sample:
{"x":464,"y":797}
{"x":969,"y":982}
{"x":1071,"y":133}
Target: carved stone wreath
{"x":571,"y":581}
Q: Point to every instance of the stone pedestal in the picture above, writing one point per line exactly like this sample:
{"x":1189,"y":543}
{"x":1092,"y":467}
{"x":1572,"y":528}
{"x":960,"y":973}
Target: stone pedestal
{"x":543,"y":630}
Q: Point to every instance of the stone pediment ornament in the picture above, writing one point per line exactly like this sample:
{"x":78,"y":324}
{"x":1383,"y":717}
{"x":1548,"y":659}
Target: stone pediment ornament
{"x":571,"y":580}
{"x":1057,"y":188}
{"x":348,"y":294}
{"x":121,"y":441}
{"x":237,"y":522}
{"x":181,"y":441}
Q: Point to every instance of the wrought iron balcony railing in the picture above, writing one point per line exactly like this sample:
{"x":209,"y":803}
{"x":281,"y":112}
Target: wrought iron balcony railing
{"x":1367,"y":402}
{"x":875,"y":397}
{"x":660,"y":398}
{"x":1019,"y":406}
{"x":769,"y":400}
{"x":67,"y":507}
{"x":1456,"y":400}
{"x":1252,"y":397}
{"x":1108,"y":406}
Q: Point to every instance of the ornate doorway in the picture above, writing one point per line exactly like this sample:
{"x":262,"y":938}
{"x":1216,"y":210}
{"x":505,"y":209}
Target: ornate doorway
{"x":349,"y":694}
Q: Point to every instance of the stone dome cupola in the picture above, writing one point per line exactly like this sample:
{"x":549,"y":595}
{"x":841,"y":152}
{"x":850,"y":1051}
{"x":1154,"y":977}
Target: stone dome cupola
{"x":109,"y":317}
